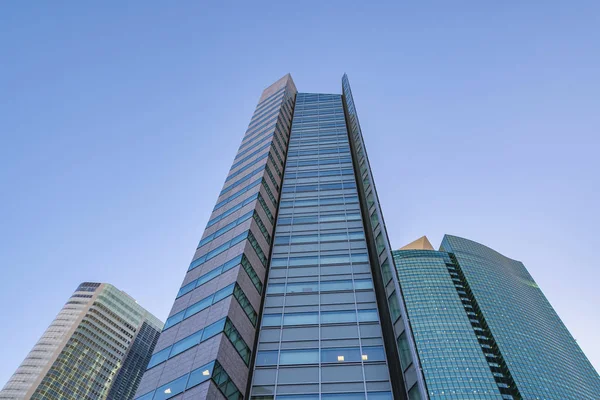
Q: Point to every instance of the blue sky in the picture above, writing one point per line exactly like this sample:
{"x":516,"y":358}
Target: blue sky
{"x":119,"y":122}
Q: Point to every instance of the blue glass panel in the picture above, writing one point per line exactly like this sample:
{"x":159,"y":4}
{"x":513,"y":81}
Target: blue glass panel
{"x":341,"y":355}
{"x":266,"y":358}
{"x":186,"y":343}
{"x":197,"y":307}
{"x":301,"y":319}
{"x":159,"y":357}
{"x":174,"y":319}
{"x":200,"y":375}
{"x":332,"y":317}
{"x":308,"y":356}
{"x":213,"y":329}
{"x":171,"y":389}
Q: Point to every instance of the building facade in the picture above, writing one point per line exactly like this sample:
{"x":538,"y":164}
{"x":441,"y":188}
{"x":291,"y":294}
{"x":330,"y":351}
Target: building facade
{"x":483,"y":328}
{"x":96,"y":348}
{"x":292,"y":292}
{"x":281,"y":298}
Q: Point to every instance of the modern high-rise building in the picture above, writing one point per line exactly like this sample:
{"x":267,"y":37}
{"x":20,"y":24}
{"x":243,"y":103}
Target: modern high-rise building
{"x":484,"y":329}
{"x":96,"y":348}
{"x":292,"y":293}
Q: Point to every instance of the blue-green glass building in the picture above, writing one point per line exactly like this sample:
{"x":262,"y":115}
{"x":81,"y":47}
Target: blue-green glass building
{"x":484,"y":330}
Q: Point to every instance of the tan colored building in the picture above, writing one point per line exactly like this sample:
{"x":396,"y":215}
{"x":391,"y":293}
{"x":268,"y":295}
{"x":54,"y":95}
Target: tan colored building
{"x":94,"y":349}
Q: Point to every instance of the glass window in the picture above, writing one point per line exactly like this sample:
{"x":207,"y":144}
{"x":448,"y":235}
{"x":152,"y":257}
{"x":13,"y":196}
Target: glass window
{"x":339,"y":355}
{"x":303,"y":287}
{"x":334,"y":317}
{"x":414,"y":394}
{"x":380,"y":243}
{"x":171,"y":389}
{"x":367,"y":316}
{"x":197,"y":307}
{"x":308,"y":356}
{"x":186,"y":343}
{"x":275,"y":288}
{"x":148,"y":396}
{"x":200,"y":375}
{"x":186,"y":289}
{"x":404,"y":350}
{"x":380,"y":396}
{"x":221,"y":294}
{"x":363,"y":284}
{"x":159,"y":357}
{"x":174,"y":319}
{"x":213,"y":329}
{"x":386,"y":272}
{"x":266,"y":358}
{"x":394,"y":306}
{"x":271,"y":320}
{"x":344,"y":396}
{"x":336,"y":285}
{"x":301,"y":319}
{"x":374,"y":353}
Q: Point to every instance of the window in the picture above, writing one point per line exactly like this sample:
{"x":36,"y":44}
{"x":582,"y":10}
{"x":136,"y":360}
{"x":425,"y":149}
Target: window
{"x":303,"y":287}
{"x":308,"y":356}
{"x":200,"y":375}
{"x":336,"y":285}
{"x":380,"y":243}
{"x":271,"y":320}
{"x":367,"y":316}
{"x":159,"y":357}
{"x":373,"y":353}
{"x":404,"y":350}
{"x":171,"y":389}
{"x":301,"y":319}
{"x":186,"y":343}
{"x":340,"y":355}
{"x":394,"y":306}
{"x":336,"y":317}
{"x":266,"y":358}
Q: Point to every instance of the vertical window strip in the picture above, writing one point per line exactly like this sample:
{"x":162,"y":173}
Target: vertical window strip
{"x":269,"y":193}
{"x":240,"y":296}
{"x":262,"y":227}
{"x":252,"y":274}
{"x":237,"y":341}
{"x":275,"y":185}
{"x":274,"y":164}
{"x":265,"y":208}
{"x":257,"y":249}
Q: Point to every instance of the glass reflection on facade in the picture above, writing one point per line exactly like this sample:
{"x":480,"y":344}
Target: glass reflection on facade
{"x":542,"y":356}
{"x":483,"y":328}
{"x":320,"y":331}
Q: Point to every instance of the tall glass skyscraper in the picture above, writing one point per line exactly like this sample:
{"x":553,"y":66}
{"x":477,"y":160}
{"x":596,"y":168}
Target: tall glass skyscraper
{"x":484,"y":329}
{"x":292,"y":292}
{"x":97,"y":348}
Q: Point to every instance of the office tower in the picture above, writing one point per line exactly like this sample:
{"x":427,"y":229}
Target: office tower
{"x":285,"y":293}
{"x":97,"y":347}
{"x":484,"y":329}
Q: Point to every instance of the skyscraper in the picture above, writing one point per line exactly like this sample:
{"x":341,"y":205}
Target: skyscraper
{"x":97,"y":347}
{"x":297,"y":238}
{"x":484,"y":329}
{"x":292,"y":292}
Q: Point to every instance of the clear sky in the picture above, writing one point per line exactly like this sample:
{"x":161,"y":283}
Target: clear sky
{"x":119,"y":122}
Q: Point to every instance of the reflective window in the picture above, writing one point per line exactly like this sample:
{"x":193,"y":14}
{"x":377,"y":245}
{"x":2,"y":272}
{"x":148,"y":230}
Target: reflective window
{"x":171,"y":389}
{"x":340,"y":355}
{"x":266,"y":358}
{"x":334,"y":317}
{"x":373,"y":353}
{"x":309,"y":356}
{"x":186,"y":343}
{"x":301,"y":319}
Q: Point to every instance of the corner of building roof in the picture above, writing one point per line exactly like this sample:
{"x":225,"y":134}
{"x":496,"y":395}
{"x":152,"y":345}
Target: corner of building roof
{"x":421,"y":243}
